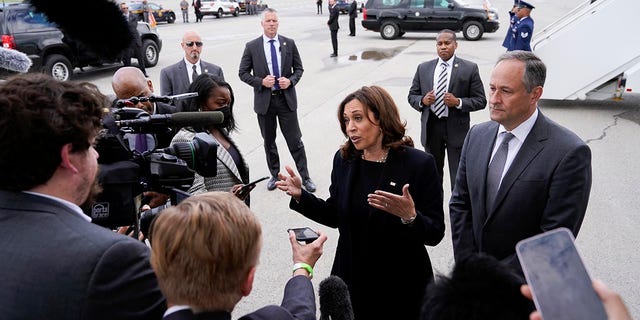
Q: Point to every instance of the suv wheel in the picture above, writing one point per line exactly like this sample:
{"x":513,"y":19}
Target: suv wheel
{"x":219,"y":14}
{"x":150,"y":50}
{"x":236,"y":12}
{"x":171,"y":18}
{"x":58,"y":66}
{"x":472,"y":30}
{"x":389,"y":30}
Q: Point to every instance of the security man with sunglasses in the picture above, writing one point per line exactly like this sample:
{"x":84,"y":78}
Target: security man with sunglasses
{"x":176,"y":78}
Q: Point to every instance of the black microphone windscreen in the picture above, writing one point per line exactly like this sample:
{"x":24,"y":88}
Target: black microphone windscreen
{"x":14,"y":60}
{"x":203,"y":118}
{"x":98,"y":24}
{"x":335,"y":301}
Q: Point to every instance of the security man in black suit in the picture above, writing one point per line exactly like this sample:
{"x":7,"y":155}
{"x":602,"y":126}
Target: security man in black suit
{"x":135,"y":49}
{"x":271,"y":64}
{"x":353,"y":14}
{"x":334,"y":13}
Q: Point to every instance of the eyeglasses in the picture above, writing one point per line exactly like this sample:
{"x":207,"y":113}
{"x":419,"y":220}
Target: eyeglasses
{"x":191,"y":43}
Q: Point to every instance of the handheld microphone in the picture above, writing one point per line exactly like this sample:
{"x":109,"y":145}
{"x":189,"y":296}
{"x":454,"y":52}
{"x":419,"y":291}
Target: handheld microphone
{"x":335,"y":302}
{"x":165,"y":99}
{"x":159,"y":122}
{"x":14,"y":60}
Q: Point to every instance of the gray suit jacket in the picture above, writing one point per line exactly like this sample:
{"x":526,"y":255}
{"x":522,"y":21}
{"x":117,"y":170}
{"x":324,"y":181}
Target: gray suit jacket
{"x":174,"y":79}
{"x":56,"y":265}
{"x":465,"y":83}
{"x":547,"y":186}
{"x":253,"y":68}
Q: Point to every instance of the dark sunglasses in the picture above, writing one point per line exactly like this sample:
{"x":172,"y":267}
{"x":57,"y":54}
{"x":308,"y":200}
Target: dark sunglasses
{"x":191,"y":43}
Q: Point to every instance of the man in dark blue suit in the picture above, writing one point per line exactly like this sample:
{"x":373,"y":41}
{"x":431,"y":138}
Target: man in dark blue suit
{"x":271,"y":64}
{"x":462,"y":92}
{"x":522,"y":30}
{"x":56,"y":264}
{"x":217,"y":236}
{"x":542,"y":180}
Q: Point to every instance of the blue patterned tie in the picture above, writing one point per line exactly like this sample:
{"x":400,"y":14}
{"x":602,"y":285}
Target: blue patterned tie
{"x":274,"y":64}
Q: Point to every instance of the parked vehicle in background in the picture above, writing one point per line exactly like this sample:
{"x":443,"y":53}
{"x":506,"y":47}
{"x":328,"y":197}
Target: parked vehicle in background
{"x":342,"y":6}
{"x":392,"y":18}
{"x":159,"y":13}
{"x":361,"y":4}
{"x":219,"y":8}
{"x":51,"y":50}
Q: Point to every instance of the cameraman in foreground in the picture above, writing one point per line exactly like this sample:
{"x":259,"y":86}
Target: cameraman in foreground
{"x":55,"y":263}
{"x":128,"y":82}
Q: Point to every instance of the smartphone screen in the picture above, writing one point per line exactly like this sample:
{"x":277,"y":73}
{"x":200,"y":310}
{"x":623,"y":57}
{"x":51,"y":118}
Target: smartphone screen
{"x":305,"y":234}
{"x":559,"y":281}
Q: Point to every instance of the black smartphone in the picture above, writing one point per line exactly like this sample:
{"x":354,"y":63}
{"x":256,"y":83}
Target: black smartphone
{"x":245,"y":189}
{"x":305,"y":234}
{"x":559,"y":281}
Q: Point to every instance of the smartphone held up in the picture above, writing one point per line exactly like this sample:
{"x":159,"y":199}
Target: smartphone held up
{"x":559,"y":281}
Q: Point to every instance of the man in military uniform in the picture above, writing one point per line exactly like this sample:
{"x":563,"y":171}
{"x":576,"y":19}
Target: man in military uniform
{"x":512,"y":22}
{"x":523,"y":28}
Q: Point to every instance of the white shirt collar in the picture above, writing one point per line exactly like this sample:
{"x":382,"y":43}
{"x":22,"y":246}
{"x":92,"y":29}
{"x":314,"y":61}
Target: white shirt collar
{"x":175,"y":308}
{"x":522,"y":130}
{"x":65,"y":203}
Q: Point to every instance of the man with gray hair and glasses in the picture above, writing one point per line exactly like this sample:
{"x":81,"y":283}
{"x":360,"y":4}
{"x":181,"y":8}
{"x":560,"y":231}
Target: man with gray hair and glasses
{"x":520,"y":174}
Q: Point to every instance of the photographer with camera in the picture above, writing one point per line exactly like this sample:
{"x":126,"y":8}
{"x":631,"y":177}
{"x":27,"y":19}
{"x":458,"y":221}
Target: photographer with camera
{"x":217,"y":236}
{"x":214,"y":94}
{"x":55,"y":263}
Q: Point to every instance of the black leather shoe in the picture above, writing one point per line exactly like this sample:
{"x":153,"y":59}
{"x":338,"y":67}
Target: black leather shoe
{"x":333,"y":55}
{"x":271,"y":185}
{"x":309,"y":185}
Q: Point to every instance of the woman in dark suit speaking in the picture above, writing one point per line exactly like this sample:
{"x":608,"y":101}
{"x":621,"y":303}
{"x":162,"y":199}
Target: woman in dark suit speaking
{"x":386,"y":201}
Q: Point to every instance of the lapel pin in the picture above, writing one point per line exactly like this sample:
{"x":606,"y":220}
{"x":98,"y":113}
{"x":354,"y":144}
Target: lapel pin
{"x":393,"y":184}
{"x":455,"y":65}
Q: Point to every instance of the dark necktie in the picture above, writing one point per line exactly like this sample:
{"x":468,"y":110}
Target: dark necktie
{"x":441,"y":89}
{"x":141,"y":142}
{"x":274,"y":64}
{"x":494,"y":174}
{"x":195,"y":73}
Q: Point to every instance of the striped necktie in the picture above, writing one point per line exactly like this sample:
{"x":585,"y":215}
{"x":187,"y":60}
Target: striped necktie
{"x":441,"y":88}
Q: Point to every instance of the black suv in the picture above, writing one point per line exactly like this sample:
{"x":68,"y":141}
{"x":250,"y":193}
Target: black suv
{"x":54,"y":52}
{"x":392,"y":18}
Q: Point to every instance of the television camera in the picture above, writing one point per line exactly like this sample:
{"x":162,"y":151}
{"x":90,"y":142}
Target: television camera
{"x":125,"y":173}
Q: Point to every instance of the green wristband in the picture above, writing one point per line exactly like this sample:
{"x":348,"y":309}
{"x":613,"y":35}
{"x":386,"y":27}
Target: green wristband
{"x":302,"y":265}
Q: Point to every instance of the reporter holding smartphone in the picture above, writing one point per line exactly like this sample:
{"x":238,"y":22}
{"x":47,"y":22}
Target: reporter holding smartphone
{"x":214,"y":94}
{"x":386,"y":200}
{"x":217,"y":236}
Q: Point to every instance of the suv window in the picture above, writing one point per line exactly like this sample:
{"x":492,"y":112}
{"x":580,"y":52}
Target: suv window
{"x":416,"y":4}
{"x":390,"y":3}
{"x":27,"y":20}
{"x":441,"y":4}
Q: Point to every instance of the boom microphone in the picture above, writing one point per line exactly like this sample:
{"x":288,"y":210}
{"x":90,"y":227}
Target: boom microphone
{"x":178,"y":119}
{"x":14,"y":60}
{"x":335,"y":302}
{"x":114,"y":36}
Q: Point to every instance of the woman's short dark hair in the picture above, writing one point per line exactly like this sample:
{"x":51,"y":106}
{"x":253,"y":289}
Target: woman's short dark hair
{"x":38,"y":116}
{"x":204,"y":84}
{"x":377,"y":100}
